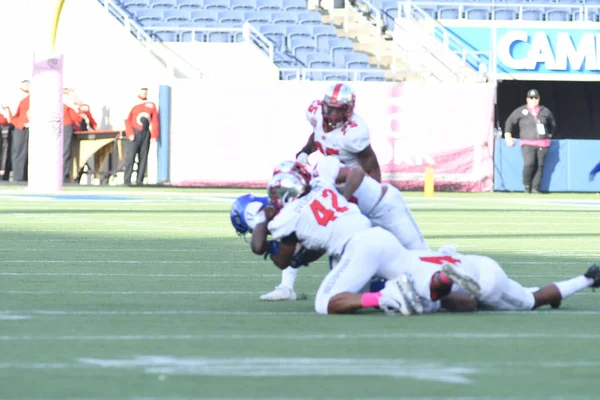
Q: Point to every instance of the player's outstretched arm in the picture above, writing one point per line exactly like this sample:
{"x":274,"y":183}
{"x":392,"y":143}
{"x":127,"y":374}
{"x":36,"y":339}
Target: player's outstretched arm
{"x":309,"y":148}
{"x":258,"y":242}
{"x":354,"y":178}
{"x":368,"y":161}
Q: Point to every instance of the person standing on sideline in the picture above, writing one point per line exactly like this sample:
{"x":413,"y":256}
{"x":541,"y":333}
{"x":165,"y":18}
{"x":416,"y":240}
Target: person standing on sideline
{"x":20,"y":137}
{"x":536,"y":126}
{"x":141,"y":127}
{"x":5,"y":128}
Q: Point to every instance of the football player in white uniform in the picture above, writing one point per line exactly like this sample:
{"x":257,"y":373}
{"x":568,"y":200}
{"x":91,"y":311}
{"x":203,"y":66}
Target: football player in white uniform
{"x":383,"y":204}
{"x":322,"y":220}
{"x":339,"y":132}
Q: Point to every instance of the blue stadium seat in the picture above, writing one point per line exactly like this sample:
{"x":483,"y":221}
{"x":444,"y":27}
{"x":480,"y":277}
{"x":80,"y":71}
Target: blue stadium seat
{"x":356,"y":61}
{"x":322,"y":66}
{"x":294,"y":5}
{"x":289,"y":75}
{"x":532,"y":14}
{"x":231,"y":17}
{"x":505,"y":14}
{"x":301,"y":46}
{"x":477,"y":13}
{"x":430,"y":10}
{"x":135,"y":5}
{"x":258,"y":17}
{"x":335,"y":76}
{"x":449,"y":12}
{"x":177,"y":16}
{"x":372,"y":76}
{"x":190,"y":4}
{"x":204,"y":16}
{"x":276,"y":34}
{"x":187,"y":36}
{"x":243,"y":5}
{"x":216,"y":4}
{"x":390,"y":12}
{"x":284,"y":18}
{"x":266,"y":5}
{"x":338,"y":44}
{"x":592,"y":15}
{"x":558,"y":14}
{"x":322,"y":34}
{"x":149,"y":15}
{"x":292,"y":31}
{"x":317,"y":59}
{"x":220,"y":36}
{"x":310,"y":18}
{"x":164,"y":35}
{"x":163,"y":4}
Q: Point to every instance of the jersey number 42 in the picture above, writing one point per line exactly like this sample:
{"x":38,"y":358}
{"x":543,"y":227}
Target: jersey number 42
{"x":325,"y":215}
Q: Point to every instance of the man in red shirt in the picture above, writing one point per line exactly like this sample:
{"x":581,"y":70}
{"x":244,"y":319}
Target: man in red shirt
{"x":141,"y":127}
{"x":20,"y":137}
{"x":70,"y":120}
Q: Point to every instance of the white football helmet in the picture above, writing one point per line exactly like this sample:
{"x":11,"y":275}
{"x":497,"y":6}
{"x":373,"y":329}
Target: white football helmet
{"x":284,"y":188}
{"x":293,"y":167}
{"x":337,"y":106}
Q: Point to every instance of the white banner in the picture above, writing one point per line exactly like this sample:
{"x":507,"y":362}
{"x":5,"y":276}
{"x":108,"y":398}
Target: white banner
{"x":233,"y":135}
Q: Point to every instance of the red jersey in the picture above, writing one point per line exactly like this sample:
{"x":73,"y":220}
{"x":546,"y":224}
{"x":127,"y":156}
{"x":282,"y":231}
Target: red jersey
{"x":71,"y":117}
{"x":21,"y":117}
{"x":146,"y":109}
{"x":85,"y":113}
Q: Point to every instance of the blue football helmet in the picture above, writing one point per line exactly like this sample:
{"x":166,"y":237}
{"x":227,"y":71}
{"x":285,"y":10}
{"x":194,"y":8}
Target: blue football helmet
{"x":238,"y":211}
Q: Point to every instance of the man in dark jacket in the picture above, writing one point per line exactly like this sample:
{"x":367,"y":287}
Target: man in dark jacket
{"x":536,"y":126}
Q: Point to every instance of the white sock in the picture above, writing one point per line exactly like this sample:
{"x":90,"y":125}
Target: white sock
{"x":569,"y":287}
{"x":288,"y":277}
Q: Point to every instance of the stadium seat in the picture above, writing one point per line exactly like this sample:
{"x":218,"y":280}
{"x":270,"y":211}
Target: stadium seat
{"x":294,"y":5}
{"x":177,"y":16}
{"x":289,"y":75}
{"x":216,"y":4}
{"x":477,"y":13}
{"x":197,"y":36}
{"x":319,"y":68}
{"x":162,"y":32}
{"x":220,"y":36}
{"x":266,"y":5}
{"x":532,"y":14}
{"x":339,"y":44}
{"x":317,"y":60}
{"x":356,"y":61}
{"x":276,"y":34}
{"x":558,"y":15}
{"x":204,"y":16}
{"x":322,"y":34}
{"x":243,"y":5}
{"x":451,"y":12}
{"x":310,"y":18}
{"x":372,"y":76}
{"x":298,"y":31}
{"x":258,"y":17}
{"x":163,"y":4}
{"x":190,"y":4}
{"x":284,"y":18}
{"x":149,"y":15}
{"x":429,"y":10}
{"x":231,"y":17}
{"x":301,"y":46}
{"x":505,"y":14}
{"x":135,"y":5}
{"x":592,"y":15}
{"x":335,"y":76}
{"x":390,"y":12}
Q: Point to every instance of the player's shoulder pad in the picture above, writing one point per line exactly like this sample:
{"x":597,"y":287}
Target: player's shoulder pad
{"x":357,"y":136}
{"x":284,"y":223}
{"x":313,"y":111}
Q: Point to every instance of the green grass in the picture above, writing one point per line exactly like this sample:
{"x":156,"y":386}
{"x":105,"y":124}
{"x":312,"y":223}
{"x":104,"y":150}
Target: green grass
{"x":160,"y":273}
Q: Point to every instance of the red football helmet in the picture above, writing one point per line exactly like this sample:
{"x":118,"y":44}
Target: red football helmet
{"x":337,"y":106}
{"x":293,"y":167}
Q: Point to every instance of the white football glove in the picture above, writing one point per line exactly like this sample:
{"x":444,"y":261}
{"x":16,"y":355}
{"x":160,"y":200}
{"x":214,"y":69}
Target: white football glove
{"x":302,"y":158}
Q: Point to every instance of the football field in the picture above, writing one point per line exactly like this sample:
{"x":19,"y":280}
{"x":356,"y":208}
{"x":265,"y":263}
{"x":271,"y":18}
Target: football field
{"x":149,"y":294}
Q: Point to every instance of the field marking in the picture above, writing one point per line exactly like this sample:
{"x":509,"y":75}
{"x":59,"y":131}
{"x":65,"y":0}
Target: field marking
{"x":12,"y":317}
{"x":144,"y":292}
{"x":307,"y":337}
{"x":487,"y":397}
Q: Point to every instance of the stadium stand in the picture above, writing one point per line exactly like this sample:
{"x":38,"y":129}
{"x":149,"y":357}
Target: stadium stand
{"x":297,"y":34}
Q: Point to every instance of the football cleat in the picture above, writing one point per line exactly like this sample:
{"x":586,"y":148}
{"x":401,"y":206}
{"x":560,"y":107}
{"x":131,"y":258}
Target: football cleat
{"x":281,"y":293}
{"x":460,"y":277}
{"x":407,"y":283}
{"x":398,"y":297}
{"x":593,"y":272}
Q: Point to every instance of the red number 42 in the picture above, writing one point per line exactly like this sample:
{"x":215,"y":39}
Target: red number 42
{"x":324,"y":215}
